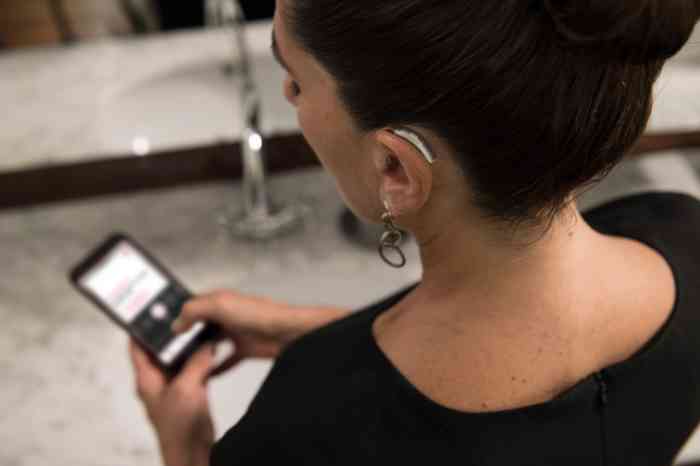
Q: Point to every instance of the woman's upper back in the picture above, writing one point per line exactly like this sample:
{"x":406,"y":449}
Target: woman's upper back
{"x":487,"y":368}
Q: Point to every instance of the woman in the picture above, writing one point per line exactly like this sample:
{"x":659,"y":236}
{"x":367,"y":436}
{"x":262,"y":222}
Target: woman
{"x":537,"y":335}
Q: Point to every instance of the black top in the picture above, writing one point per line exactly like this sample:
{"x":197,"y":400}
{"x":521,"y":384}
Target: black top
{"x":333,"y":397}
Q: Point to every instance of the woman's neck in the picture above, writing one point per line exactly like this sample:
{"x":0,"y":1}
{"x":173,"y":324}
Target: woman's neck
{"x":463,"y":265}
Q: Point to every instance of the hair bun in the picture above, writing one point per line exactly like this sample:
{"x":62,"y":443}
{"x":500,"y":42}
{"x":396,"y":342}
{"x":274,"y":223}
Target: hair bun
{"x":636,"y":30}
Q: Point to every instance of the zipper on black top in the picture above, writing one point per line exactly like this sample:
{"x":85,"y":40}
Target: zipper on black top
{"x":603,"y":388}
{"x":603,"y":401}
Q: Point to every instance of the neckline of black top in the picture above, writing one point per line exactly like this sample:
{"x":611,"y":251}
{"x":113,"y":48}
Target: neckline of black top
{"x":585,"y":391}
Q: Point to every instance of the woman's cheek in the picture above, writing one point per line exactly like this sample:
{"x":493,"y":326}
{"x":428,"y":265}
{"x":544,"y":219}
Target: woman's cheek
{"x":307,"y":129}
{"x":301,"y":119}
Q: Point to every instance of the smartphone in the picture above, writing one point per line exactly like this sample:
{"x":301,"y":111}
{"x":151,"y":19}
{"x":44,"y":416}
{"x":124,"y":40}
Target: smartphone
{"x":141,"y":296}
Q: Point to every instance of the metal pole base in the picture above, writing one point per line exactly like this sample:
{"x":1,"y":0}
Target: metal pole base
{"x":282,"y":220}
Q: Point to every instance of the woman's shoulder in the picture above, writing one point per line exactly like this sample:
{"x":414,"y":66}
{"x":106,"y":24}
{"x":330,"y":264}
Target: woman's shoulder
{"x":656,"y":272}
{"x":309,"y":379}
{"x":667,"y":221}
{"x":649,"y":208}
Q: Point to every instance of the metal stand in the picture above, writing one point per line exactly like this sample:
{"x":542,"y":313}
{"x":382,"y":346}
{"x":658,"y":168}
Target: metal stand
{"x":259,"y":218}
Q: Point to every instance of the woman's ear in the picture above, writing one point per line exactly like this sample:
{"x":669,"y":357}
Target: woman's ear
{"x":405,"y":177}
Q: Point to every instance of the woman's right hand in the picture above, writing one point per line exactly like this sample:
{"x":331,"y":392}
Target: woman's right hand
{"x":258,"y":327}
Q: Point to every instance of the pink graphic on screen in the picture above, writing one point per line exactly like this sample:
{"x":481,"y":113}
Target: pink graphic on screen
{"x":125,"y":281}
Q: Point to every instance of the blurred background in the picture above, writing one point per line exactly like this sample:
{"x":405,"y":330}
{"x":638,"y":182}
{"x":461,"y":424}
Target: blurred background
{"x":42,"y":22}
{"x":166,"y":120}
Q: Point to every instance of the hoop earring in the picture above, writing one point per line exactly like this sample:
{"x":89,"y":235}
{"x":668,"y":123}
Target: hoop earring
{"x":390,"y":239}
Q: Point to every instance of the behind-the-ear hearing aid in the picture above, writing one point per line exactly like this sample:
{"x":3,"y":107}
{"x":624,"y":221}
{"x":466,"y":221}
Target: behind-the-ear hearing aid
{"x":418,"y":142}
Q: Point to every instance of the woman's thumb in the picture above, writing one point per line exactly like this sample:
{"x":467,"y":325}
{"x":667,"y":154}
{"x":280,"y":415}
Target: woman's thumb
{"x":180,"y":325}
{"x":188,"y":316}
{"x":203,"y":308}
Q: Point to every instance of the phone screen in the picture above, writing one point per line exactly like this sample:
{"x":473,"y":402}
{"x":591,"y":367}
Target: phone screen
{"x":143,"y":298}
{"x":125,"y":282}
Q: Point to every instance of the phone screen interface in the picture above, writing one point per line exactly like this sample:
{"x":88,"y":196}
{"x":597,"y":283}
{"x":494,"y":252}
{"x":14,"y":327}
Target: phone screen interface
{"x":125,"y":281}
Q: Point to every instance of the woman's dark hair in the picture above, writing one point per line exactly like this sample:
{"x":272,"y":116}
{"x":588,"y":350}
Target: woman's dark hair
{"x":538,"y":98}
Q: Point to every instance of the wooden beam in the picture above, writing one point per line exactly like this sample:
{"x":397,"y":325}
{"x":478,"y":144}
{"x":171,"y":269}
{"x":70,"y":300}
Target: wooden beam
{"x":43,"y":185}
{"x":655,"y":142}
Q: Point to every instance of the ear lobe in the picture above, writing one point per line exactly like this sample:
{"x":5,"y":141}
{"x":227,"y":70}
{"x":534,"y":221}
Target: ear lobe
{"x":404,"y":191}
